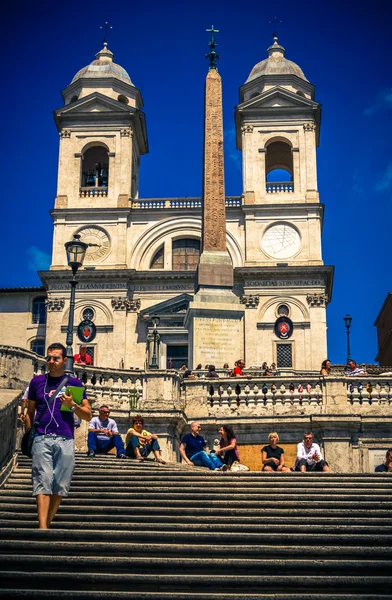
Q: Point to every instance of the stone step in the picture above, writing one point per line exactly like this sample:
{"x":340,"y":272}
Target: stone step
{"x":215,"y":487}
{"x":207,"y":527}
{"x":134,"y":494}
{"x":206,"y":537}
{"x":137,"y":564}
{"x":46,"y":547}
{"x":69,"y":506}
{"x":33,"y":594}
{"x":184,"y":582}
{"x":66,"y":519}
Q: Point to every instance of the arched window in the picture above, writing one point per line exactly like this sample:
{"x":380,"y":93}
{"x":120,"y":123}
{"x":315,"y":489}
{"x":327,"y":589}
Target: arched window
{"x":38,"y":346}
{"x":95,"y":168}
{"x":39,"y":310}
{"x":185,"y":253}
{"x":157,"y":261}
{"x":279,"y":167}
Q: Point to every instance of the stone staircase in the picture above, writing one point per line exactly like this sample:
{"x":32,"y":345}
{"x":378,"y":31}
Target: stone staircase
{"x":145,"y":531}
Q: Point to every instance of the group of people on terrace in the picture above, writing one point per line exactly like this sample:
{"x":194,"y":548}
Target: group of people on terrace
{"x":352,"y":370}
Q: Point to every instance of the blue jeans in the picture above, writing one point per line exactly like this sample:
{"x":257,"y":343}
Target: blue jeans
{"x":202,"y":459}
{"x":103,"y":446}
{"x":144,"y":450}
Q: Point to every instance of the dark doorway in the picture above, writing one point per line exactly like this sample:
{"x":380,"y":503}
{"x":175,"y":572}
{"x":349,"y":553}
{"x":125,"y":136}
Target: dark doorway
{"x":176,"y":356}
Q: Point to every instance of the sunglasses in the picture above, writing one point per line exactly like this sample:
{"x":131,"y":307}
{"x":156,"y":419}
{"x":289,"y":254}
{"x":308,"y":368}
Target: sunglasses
{"x":105,"y":412}
{"x":54,"y":358}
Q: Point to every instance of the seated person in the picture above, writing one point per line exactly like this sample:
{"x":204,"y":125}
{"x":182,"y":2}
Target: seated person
{"x":309,"y":456}
{"x":83,"y":358}
{"x":103,"y":435}
{"x":272,"y":456}
{"x":228,"y":449}
{"x":354,"y":370}
{"x":387,"y":466}
{"x":212,"y":374}
{"x":192,"y":450}
{"x":325,"y":368}
{"x":140,"y":442}
{"x":189,"y":375}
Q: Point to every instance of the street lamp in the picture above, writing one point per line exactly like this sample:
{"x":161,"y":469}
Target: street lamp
{"x":76,"y":251}
{"x":347,"y":321}
{"x":155,"y":322}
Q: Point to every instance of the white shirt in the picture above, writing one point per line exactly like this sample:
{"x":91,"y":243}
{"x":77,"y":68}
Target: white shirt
{"x":109,"y":424}
{"x":303,"y":452}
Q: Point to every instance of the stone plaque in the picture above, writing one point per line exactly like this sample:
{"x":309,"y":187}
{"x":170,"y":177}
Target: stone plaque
{"x":376,"y":457}
{"x":216,"y":340}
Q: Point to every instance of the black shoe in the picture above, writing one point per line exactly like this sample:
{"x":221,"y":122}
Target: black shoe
{"x":122,"y":455}
{"x":91,"y":454}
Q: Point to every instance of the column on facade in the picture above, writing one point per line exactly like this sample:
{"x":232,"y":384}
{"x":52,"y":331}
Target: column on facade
{"x":296,"y":171}
{"x":67,"y":168}
{"x":247,"y":167}
{"x":310,"y":150}
{"x":261,"y":176}
{"x":318,"y":342}
{"x":125,"y":159}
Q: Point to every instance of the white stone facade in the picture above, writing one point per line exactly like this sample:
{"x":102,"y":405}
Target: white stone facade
{"x":273,"y":229}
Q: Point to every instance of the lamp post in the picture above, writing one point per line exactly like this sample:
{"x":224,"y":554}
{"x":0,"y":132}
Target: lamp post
{"x":76,"y":251}
{"x":347,"y":321}
{"x":155,"y":334}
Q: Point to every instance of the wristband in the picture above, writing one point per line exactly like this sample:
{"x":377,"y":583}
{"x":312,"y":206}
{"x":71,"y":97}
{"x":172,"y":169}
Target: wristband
{"x":73,"y":408}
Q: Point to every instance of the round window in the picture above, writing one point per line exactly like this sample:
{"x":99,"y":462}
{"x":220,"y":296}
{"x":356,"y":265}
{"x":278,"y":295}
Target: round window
{"x":88,"y":314}
{"x":283,"y":310}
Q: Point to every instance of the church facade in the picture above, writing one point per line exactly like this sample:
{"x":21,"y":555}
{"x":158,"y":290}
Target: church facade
{"x":144,"y":252}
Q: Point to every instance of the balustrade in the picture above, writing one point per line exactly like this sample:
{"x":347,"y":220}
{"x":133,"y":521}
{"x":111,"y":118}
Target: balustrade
{"x":180,"y":203}
{"x":86,"y":192}
{"x":120,"y":389}
{"x":369,"y":391}
{"x":237,"y":392}
{"x":279,"y":187}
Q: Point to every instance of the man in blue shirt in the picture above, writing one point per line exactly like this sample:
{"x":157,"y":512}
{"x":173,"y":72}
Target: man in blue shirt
{"x":192,"y":450}
{"x":387,"y":466}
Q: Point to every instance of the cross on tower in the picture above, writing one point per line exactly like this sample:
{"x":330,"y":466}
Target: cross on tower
{"x":212,"y":55}
{"x":106,"y":27}
{"x":275,"y":22}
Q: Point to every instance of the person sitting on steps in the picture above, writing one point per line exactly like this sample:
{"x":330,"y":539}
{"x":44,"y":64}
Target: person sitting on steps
{"x":103,"y":435}
{"x":272,"y":456}
{"x":387,"y":466}
{"x":140,"y":442}
{"x":309,"y":456}
{"x":192,"y":450}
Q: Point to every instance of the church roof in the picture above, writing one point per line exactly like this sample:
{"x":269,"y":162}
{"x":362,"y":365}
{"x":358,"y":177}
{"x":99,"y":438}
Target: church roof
{"x":103,"y":66}
{"x":275,"y":64}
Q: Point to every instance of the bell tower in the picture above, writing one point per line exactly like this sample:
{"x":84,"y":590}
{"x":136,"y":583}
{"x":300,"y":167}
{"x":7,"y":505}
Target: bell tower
{"x":278,"y":129}
{"x":102,"y":133}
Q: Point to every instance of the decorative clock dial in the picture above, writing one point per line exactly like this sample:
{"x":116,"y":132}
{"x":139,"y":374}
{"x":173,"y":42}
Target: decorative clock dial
{"x":281,"y":241}
{"x":94,"y":235}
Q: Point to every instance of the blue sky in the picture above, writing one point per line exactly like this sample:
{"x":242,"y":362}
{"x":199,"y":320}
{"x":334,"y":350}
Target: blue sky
{"x":342,"y":47}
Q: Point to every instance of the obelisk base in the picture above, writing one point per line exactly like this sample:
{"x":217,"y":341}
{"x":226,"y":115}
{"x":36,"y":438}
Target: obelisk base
{"x":215,"y":324}
{"x":215,"y":270}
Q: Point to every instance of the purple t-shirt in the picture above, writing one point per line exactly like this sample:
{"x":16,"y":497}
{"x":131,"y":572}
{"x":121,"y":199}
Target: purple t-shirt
{"x":53,"y":420}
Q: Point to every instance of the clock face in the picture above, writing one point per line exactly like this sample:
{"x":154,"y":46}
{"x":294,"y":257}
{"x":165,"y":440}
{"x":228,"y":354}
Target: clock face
{"x":281,"y":241}
{"x":95,"y":235}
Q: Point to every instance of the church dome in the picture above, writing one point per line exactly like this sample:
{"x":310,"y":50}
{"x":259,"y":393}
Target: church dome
{"x":103,"y":66}
{"x":275,"y":64}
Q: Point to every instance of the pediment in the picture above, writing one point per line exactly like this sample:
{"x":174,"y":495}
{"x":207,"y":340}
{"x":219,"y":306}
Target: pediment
{"x":278,"y":97}
{"x":95,"y":102}
{"x":174,"y":306}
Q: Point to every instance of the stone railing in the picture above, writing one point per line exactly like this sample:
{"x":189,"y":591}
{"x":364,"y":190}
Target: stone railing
{"x":9,"y":403}
{"x":99,"y":192}
{"x":122,"y":390}
{"x":181,"y":203}
{"x":18,"y":366}
{"x":279,"y":187}
{"x":368,"y":390}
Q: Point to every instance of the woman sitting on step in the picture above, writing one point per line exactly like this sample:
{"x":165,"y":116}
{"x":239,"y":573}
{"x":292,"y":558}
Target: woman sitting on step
{"x":228,"y":449}
{"x":140,"y":443}
{"x":272,"y":456}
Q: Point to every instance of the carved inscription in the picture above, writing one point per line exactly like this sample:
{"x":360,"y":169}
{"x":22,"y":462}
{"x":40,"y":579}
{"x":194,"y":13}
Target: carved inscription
{"x":216,"y":341}
{"x":214,"y":211}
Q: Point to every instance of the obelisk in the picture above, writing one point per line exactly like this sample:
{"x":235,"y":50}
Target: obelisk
{"x":215,"y":317}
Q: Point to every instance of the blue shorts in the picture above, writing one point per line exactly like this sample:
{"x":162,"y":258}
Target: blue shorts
{"x":53,"y":464}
